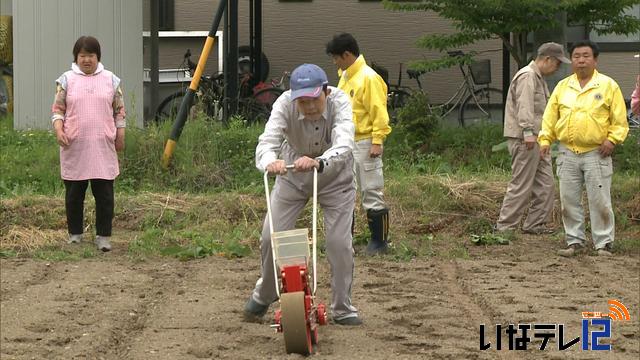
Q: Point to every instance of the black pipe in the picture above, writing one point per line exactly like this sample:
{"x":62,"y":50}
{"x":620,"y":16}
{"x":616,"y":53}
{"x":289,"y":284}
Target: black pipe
{"x":154,"y":70}
{"x":506,"y":75}
{"x":185,"y":105}
{"x":231,"y":75}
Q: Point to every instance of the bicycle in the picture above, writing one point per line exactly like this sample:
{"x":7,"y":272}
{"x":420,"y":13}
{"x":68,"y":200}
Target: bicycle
{"x":6,"y":89}
{"x":633,"y":120}
{"x":282,"y":82}
{"x":397,"y":94}
{"x":263,"y":95}
{"x":254,"y":103}
{"x":475,"y":99}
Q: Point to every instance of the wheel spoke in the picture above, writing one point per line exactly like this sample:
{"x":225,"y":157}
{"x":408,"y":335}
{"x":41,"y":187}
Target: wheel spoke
{"x":483,"y":105}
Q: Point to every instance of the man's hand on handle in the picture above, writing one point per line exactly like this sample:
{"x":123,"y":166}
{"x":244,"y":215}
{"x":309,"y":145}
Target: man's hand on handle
{"x":277,"y":167}
{"x":305,"y":163}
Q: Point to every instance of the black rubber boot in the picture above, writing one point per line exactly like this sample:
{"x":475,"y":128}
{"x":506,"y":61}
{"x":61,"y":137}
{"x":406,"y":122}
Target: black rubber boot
{"x":379,"y":228}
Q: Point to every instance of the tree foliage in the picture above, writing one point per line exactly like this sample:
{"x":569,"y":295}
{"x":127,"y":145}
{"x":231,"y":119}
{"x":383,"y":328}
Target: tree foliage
{"x":512,"y":20}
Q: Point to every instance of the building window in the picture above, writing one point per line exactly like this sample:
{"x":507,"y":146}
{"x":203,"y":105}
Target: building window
{"x":614,"y":42}
{"x":614,"y":38}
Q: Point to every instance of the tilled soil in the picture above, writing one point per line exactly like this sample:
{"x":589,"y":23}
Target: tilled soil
{"x":112,"y":307}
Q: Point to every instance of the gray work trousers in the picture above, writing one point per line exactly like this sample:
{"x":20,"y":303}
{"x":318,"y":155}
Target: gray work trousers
{"x":594,"y":172}
{"x":531,"y":184}
{"x":369,"y":176}
{"x":336,"y":196}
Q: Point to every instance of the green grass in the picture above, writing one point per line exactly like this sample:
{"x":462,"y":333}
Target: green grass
{"x":211,"y":200}
{"x":28,"y":161}
{"x":627,"y":244}
{"x":8,"y":253}
{"x":189,"y":244}
{"x":70,"y":254}
{"x":209,"y":157}
{"x":212,"y":158}
{"x":413,"y":246}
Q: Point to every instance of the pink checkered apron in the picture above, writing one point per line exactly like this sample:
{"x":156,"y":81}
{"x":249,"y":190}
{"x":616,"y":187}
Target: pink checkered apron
{"x":90,"y":126}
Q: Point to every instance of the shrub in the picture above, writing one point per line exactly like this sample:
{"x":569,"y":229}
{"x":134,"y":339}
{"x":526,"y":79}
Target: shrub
{"x":418,"y":123}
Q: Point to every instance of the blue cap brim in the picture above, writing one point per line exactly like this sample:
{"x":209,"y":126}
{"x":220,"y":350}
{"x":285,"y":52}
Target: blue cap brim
{"x":313,"y":92}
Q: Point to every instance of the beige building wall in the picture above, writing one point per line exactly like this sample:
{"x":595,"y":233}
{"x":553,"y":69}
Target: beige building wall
{"x":297,"y":32}
{"x":622,"y":67}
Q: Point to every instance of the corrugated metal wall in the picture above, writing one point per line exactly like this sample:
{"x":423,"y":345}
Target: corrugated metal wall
{"x":44,"y":32}
{"x":5,"y":7}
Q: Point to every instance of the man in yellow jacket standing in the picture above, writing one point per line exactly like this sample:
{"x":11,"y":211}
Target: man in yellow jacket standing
{"x":368,"y":94}
{"x":587,"y":115}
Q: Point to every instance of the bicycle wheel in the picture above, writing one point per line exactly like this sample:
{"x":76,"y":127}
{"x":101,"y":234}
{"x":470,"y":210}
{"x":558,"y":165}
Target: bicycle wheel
{"x":168,"y":108}
{"x":244,"y":62}
{"x":633,"y":120}
{"x":209,"y":97}
{"x":484,"y":105}
{"x":396,"y":99}
{"x":5,"y":97}
{"x":257,"y":108}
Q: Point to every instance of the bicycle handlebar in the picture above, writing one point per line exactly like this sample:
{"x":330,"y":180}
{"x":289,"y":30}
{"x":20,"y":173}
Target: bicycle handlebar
{"x":455,"y":53}
{"x":414,"y":74}
{"x":187,"y":60}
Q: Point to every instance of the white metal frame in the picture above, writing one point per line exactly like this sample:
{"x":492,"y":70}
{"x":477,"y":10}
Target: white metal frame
{"x":203,"y":34}
{"x":313,"y":231}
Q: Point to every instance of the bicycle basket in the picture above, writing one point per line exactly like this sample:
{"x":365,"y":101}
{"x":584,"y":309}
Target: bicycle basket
{"x":481,"y":71}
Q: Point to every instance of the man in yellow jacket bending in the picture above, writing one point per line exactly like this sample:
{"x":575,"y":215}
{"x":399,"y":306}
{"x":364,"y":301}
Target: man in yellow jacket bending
{"x":587,"y":115}
{"x":368,"y":94}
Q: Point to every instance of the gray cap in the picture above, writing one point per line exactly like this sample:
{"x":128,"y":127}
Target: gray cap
{"x":554,"y":50}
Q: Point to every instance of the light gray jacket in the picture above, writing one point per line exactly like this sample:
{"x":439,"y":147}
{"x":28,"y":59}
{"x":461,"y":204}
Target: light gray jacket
{"x":288,"y":135}
{"x":526,"y":101}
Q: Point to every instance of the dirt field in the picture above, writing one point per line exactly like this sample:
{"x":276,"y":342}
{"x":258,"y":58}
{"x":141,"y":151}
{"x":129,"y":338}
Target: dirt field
{"x":111,"y":307}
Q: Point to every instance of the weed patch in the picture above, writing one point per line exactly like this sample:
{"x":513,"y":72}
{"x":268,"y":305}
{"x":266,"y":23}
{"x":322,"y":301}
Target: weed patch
{"x":440,"y":191}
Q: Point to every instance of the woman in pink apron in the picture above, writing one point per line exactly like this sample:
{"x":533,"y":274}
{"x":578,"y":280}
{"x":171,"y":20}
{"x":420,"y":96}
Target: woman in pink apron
{"x":89,"y":120}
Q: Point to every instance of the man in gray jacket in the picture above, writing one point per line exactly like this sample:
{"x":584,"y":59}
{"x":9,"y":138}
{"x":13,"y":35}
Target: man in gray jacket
{"x":310,"y":127}
{"x":532,"y":176}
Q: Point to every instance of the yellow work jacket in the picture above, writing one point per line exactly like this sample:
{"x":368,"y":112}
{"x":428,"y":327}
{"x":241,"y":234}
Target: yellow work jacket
{"x":368,"y":94}
{"x":582,"y":118}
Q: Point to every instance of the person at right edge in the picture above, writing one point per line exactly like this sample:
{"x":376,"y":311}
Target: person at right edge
{"x":368,"y":94}
{"x":586,"y":114}
{"x":635,"y":98}
{"x":532,"y":176}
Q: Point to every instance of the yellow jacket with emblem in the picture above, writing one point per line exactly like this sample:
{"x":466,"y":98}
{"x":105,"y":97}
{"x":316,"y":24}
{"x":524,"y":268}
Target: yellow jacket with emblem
{"x":368,"y":94}
{"x":582,"y":118}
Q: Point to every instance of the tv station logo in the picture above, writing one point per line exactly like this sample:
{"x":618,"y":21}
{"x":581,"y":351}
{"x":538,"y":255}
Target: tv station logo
{"x":596,"y":329}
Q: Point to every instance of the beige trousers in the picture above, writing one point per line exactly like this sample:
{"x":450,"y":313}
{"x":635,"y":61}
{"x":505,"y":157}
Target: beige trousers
{"x":531,"y":186}
{"x":369,"y":176}
{"x":593,"y":172}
